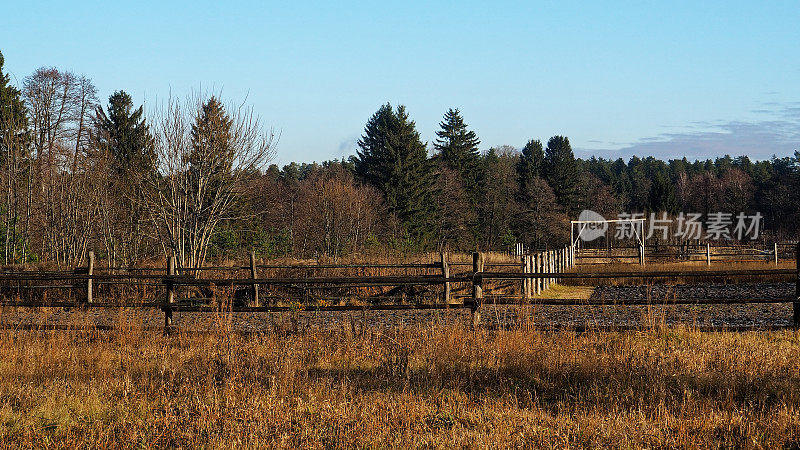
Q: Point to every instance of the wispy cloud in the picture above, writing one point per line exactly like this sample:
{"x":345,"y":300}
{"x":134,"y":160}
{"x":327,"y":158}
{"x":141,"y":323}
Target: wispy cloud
{"x":777,"y":134}
{"x":347,"y":147}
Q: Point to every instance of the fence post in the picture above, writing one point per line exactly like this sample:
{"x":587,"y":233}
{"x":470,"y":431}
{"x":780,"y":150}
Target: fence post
{"x":536,"y":259}
{"x":545,"y":281}
{"x":253,"y":275}
{"x":558,"y":262}
{"x":796,"y":305}
{"x":572,"y":256}
{"x":477,"y":287}
{"x":445,"y":275}
{"x":569,"y":257}
{"x":526,"y":282}
{"x":708,"y":254}
{"x":170,"y":298}
{"x":89,"y":272}
{"x":775,"y":251}
{"x":542,"y":269}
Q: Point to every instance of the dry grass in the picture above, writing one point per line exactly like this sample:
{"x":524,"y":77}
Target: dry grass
{"x":402,"y":387}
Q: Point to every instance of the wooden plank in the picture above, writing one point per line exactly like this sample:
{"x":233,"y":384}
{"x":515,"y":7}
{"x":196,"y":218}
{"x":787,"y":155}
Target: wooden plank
{"x":254,"y":275}
{"x":487,"y":299}
{"x":477,"y":287}
{"x":445,"y":275}
{"x":796,"y":305}
{"x":526,"y":282}
{"x":643,"y":274}
{"x":89,"y":272}
{"x":516,"y":300}
{"x":170,"y":296}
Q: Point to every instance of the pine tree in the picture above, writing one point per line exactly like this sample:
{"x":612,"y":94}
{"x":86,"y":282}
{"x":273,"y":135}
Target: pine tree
{"x":13,"y":115}
{"x":662,"y":194}
{"x":15,"y":157}
{"x":458,"y":147}
{"x":124,"y":133}
{"x":530,"y":164}
{"x":211,"y":157}
{"x":394,"y":160}
{"x":211,"y":140}
{"x":458,"y":154}
{"x":561,"y":171}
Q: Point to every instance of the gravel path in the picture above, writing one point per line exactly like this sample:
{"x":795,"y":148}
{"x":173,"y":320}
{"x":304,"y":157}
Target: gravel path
{"x":737,"y":315}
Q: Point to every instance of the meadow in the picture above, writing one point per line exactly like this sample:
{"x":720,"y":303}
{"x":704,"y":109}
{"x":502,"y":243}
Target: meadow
{"x":430,"y":387}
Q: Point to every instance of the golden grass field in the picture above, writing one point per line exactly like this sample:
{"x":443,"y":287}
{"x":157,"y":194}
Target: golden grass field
{"x":438,"y":386}
{"x":431,"y":386}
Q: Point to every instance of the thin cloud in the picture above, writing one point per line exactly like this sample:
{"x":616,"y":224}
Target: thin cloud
{"x":763,"y":139}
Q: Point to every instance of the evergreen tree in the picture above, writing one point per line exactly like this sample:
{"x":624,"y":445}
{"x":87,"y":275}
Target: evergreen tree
{"x":530,"y":164}
{"x":458,"y":148}
{"x":561,"y":172}
{"x":662,"y":194}
{"x":394,"y":160}
{"x":211,"y":157}
{"x":123,"y":132}
{"x":13,"y":116}
{"x":460,"y":171}
{"x":15,"y":159}
{"x":123,"y":135}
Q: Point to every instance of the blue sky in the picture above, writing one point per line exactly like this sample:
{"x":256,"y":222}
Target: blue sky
{"x":698,"y":79}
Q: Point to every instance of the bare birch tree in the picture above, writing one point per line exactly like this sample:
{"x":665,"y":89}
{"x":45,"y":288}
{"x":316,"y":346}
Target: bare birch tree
{"x":60,"y":105}
{"x":204,"y":154}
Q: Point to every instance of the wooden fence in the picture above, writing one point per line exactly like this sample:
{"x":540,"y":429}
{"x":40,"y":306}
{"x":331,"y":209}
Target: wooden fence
{"x":771,"y":253}
{"x":534,"y":274}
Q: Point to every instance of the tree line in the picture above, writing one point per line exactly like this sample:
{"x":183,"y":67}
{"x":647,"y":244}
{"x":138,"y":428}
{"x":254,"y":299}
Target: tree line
{"x":192,"y":179}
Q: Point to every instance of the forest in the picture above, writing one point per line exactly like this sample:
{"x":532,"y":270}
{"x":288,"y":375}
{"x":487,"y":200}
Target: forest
{"x":193,"y":178}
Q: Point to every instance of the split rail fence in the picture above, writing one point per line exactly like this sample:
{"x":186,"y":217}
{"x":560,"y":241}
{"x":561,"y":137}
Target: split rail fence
{"x":533,"y":275}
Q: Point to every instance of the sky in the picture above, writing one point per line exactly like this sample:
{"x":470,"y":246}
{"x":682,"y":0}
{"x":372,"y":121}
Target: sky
{"x":668,"y":79}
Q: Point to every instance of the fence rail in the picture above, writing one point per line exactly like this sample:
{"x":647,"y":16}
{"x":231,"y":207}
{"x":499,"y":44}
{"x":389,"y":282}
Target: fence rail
{"x":537,"y":272}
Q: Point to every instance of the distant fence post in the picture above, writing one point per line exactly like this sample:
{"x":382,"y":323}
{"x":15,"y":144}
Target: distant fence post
{"x":545,"y":269}
{"x":526,"y":282}
{"x":796,"y":305}
{"x":570,"y":256}
{"x":89,"y":272}
{"x":170,"y":298}
{"x":253,"y":275}
{"x":775,"y":251}
{"x":445,"y":275}
{"x":477,"y":287}
{"x":558,"y":260}
{"x":708,"y":254}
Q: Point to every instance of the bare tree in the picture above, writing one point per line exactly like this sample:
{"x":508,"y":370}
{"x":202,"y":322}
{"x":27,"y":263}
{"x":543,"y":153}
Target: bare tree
{"x":336,"y":214}
{"x":60,"y":105}
{"x":204,"y":154}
